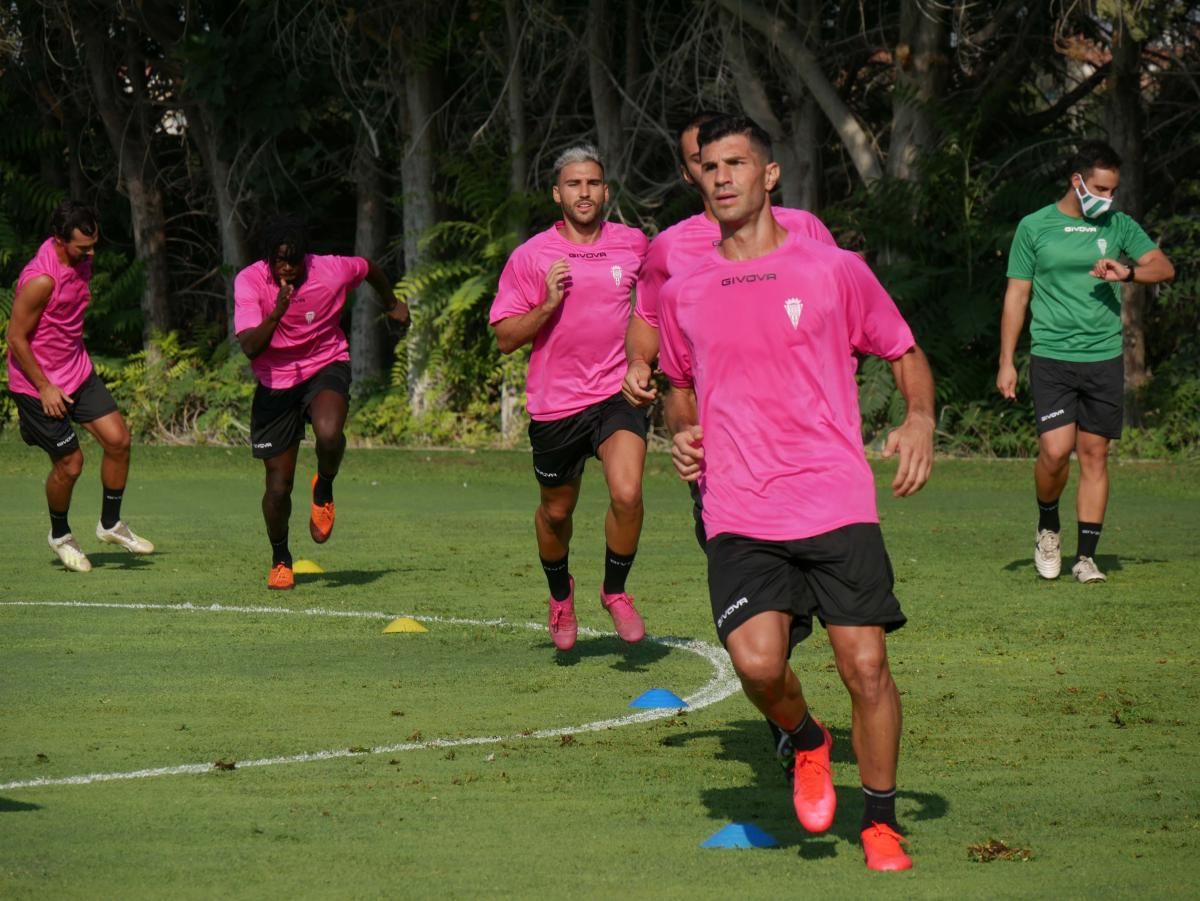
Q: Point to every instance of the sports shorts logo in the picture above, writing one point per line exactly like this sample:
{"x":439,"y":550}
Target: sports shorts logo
{"x":736,"y":605}
{"x":616,"y":274}
{"x":546,"y":475}
{"x":263,"y":444}
{"x":1091,"y":229}
{"x":748,"y":278}
{"x":588,"y":255}
{"x":794,"y":307}
{"x":1053,"y":415}
{"x":66,"y":440}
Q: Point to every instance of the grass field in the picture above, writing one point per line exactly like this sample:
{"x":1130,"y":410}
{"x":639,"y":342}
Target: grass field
{"x":1058,"y":718}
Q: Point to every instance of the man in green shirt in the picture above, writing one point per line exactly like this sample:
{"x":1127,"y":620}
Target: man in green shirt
{"x":1065,"y":265}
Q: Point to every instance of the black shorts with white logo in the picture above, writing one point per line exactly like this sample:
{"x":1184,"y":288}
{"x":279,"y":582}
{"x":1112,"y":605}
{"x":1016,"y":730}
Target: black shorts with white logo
{"x":1089,"y":395}
{"x":277,"y":415}
{"x":561,"y":447}
{"x":842,"y":577}
{"x":56,"y":436}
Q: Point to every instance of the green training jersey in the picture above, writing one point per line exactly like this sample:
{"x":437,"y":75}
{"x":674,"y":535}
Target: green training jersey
{"x":1075,"y":317}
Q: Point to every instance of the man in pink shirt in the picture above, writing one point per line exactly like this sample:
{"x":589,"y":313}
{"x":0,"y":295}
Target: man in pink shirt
{"x":759,"y":343}
{"x":567,"y":291}
{"x":287,"y":316}
{"x":52,"y":382}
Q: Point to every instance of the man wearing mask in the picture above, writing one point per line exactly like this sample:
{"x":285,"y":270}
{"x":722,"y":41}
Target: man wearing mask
{"x":1065,"y":265}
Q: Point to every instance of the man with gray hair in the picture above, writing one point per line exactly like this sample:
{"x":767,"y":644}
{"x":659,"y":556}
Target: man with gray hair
{"x":567,"y":291}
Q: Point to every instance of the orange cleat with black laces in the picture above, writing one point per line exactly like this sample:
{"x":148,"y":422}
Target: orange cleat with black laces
{"x":881,"y":845}
{"x":812,"y":786}
{"x":281,"y":578}
{"x":320,"y":522}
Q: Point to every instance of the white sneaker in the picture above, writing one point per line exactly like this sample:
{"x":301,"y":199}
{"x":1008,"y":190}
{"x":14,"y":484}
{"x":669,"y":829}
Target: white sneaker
{"x":70,"y":553}
{"x":1047,"y":554}
{"x":124,"y":536}
{"x":1085,"y":570}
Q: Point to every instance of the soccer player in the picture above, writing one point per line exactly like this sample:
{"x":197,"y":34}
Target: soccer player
{"x":759,"y":344}
{"x":567,"y":291}
{"x":1065,"y":257}
{"x":287,"y":316}
{"x":52,"y":381}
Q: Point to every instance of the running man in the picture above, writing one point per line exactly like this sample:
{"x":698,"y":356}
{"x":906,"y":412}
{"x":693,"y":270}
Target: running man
{"x":567,"y":291}
{"x":52,"y":381}
{"x":287,"y":315}
{"x":759,"y":345}
{"x":1065,"y":257}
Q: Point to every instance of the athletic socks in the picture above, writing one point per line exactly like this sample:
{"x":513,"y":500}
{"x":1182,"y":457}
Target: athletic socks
{"x":879,"y":807}
{"x":558,"y":576}
{"x":323,"y":490}
{"x":807,"y":736}
{"x":58,"y":524}
{"x":280,"y":552}
{"x":616,"y":570}
{"x":110,"y":508}
{"x":1089,"y":537}
{"x":1048,"y":515}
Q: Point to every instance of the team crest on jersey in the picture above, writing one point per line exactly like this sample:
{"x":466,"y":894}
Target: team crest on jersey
{"x":794,"y":307}
{"x":616,"y":274}
{"x":308,"y":317}
{"x":1102,"y":244}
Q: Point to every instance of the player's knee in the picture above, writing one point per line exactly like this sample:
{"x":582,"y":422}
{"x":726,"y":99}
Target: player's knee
{"x":328,"y":432}
{"x":866,"y":677}
{"x":70,"y":467}
{"x":626,"y":497}
{"x":117,"y":446}
{"x":555,"y":514}
{"x":1055,"y":457}
{"x":761,"y":674}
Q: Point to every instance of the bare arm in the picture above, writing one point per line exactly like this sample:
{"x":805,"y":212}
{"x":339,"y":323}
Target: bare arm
{"x":641,"y":349}
{"x":27,"y":309}
{"x":1150,"y":268}
{"x":395,"y":308}
{"x":517,"y":331}
{"x":1012,"y":321}
{"x":255,"y":340}
{"x":914,"y":437}
{"x":686,"y":451}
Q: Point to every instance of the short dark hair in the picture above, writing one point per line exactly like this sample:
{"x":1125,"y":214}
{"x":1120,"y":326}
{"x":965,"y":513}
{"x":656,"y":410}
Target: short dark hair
{"x":698,"y":120}
{"x":1092,"y":155}
{"x":284,"y":230}
{"x":724,"y":126}
{"x":74,"y":214}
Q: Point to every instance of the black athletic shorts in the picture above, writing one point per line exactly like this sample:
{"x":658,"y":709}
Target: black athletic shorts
{"x":56,"y":436}
{"x":277,"y":415}
{"x":698,"y":513}
{"x":843,"y":577}
{"x":1089,"y":395}
{"x":561,"y":447}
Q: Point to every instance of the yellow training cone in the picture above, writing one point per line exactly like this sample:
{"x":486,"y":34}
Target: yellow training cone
{"x":306,"y":566}
{"x":404,"y":624}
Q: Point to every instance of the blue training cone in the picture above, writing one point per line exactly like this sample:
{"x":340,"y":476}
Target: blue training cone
{"x":658,"y":697}
{"x":740,"y":835}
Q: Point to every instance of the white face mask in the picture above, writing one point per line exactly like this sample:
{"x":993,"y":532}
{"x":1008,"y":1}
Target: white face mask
{"x":1092,"y":204}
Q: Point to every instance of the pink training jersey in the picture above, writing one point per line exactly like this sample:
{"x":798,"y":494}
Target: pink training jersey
{"x":309,"y":336}
{"x":686,"y":244}
{"x":578,"y":357}
{"x":769,"y":345}
{"x":57,"y":339}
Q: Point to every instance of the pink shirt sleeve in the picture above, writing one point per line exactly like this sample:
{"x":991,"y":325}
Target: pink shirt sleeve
{"x":521,"y":287}
{"x":674,"y":356}
{"x":875,"y":324}
{"x":650,"y":283}
{"x":247,"y":300}
{"x":805,"y":223}
{"x":352,"y":270}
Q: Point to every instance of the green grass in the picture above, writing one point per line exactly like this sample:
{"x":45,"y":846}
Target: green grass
{"x":1057,"y":718}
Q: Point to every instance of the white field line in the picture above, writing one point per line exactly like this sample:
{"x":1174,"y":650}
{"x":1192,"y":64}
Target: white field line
{"x":722,"y":684}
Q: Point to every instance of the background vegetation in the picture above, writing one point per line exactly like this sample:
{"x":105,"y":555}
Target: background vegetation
{"x":920,"y":130}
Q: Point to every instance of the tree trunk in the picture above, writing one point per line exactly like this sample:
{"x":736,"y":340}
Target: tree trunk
{"x":518,"y":183}
{"x":1125,"y":121}
{"x":606,"y":103}
{"x":922,"y":66}
{"x":806,"y":120}
{"x":367,"y":330}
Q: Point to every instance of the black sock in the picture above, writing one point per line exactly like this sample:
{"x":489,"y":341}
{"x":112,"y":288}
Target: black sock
{"x":1089,"y":537}
{"x":110,"y":508}
{"x":616,"y":570}
{"x":323,"y":490}
{"x":280,"y":552}
{"x":559,"y":577}
{"x":879,"y":807}
{"x":1048,"y":515}
{"x":58,"y":524}
{"x":808,"y":735}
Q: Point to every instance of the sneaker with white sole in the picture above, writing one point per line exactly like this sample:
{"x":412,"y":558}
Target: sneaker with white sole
{"x":1085,"y":570}
{"x":124,"y":536}
{"x":70,"y":553}
{"x":1047,"y":554}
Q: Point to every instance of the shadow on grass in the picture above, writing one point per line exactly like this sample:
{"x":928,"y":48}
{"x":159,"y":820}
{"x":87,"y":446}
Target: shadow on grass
{"x":8,"y":805}
{"x":121,"y":560}
{"x":767,"y":800}
{"x":1107,"y":563}
{"x":343,"y":577}
{"x":631,"y":658}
